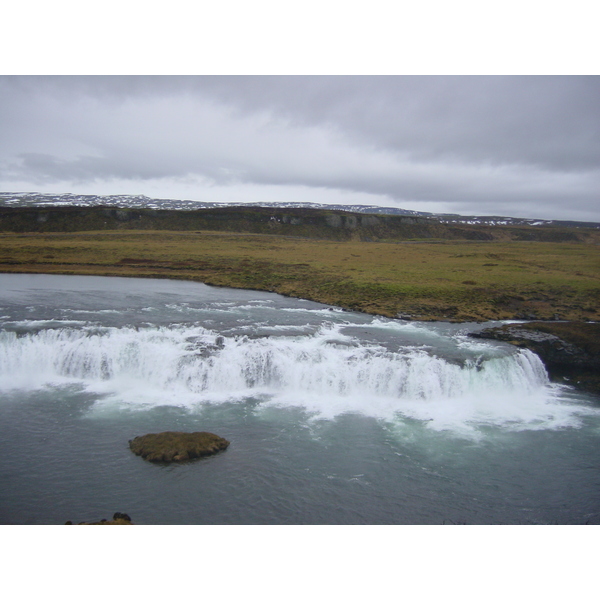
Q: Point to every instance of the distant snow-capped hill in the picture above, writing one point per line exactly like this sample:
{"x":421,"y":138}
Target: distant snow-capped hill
{"x":126,"y":201}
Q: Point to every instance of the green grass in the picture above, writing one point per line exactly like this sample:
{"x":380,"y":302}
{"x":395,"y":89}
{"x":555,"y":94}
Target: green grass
{"x":456,"y":280}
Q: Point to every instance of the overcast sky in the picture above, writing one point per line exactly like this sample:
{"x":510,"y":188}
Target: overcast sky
{"x":514,"y":146}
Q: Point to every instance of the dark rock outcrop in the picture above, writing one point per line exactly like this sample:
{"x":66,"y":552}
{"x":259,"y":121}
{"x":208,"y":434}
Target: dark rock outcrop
{"x":177,"y":446}
{"x":570,"y":351}
{"x":118,"y":519}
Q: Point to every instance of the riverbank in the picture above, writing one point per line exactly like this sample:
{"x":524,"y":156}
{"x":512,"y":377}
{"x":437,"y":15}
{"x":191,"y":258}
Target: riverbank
{"x":412,"y":280}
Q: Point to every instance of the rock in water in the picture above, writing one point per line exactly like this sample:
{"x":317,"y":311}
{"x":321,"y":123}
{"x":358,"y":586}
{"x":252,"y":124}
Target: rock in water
{"x":569,"y":350}
{"x":177,"y":446}
{"x":118,"y":519}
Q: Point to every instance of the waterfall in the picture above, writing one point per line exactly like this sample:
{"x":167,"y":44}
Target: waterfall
{"x":202,"y":361}
{"x":326,"y":373}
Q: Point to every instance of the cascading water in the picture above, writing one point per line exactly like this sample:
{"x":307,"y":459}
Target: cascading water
{"x":328,"y":372}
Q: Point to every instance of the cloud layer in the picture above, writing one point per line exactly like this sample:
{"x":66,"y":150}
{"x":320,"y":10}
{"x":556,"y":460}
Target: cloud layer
{"x":516,"y":146}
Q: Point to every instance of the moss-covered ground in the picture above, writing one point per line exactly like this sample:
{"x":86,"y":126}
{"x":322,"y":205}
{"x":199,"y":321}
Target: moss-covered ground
{"x":454,"y":280}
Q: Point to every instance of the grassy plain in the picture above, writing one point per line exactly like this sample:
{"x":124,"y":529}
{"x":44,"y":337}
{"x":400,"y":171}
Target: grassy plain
{"x":453,"y":280}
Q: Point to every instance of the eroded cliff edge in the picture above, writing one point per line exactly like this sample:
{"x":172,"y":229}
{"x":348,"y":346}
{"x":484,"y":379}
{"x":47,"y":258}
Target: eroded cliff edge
{"x":569,"y":350}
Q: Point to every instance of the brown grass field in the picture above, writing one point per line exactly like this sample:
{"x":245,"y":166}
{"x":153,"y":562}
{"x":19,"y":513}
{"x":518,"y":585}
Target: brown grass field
{"x":443,"y":280}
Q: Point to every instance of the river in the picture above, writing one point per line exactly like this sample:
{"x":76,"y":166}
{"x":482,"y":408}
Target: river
{"x":334,"y":417}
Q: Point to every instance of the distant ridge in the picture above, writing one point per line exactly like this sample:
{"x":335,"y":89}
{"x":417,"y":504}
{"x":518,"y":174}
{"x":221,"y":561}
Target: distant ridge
{"x":31,"y":199}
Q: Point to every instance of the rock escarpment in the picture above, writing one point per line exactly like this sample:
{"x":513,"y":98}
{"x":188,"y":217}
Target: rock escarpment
{"x":570,"y":351}
{"x":316,"y":223}
{"x":177,"y":446}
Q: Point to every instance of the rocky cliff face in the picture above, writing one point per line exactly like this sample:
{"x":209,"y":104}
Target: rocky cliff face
{"x":570,"y":351}
{"x":297,"y":222}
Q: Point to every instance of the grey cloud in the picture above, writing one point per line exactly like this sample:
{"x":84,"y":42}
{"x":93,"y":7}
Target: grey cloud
{"x":45,"y":167}
{"x":480,"y":144}
{"x":469,"y":189}
{"x":551,"y":121}
{"x":547,"y":121}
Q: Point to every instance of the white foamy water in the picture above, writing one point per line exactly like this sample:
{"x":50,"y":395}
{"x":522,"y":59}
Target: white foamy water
{"x":327,"y":373}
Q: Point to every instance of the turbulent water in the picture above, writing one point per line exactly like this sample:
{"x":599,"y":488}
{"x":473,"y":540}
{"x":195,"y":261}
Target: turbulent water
{"x":333,"y":416}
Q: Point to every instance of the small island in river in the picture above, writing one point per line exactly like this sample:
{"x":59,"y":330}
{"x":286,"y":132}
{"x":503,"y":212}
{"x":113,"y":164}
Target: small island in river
{"x":177,"y":446}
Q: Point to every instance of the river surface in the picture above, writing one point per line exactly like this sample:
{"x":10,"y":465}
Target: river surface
{"x":334,"y":417}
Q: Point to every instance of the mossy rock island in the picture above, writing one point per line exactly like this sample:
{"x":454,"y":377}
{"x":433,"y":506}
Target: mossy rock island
{"x":177,"y":446}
